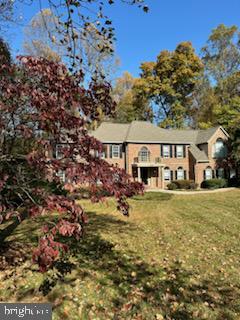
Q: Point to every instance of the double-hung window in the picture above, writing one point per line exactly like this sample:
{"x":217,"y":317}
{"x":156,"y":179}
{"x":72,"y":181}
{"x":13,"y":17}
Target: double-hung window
{"x":61,"y":175}
{"x":208,"y":173}
{"x":166,"y":151}
{"x":180,"y":174}
{"x":179,"y":151}
{"x":115,"y":151}
{"x":144,"y":154}
{"x":167,"y":174}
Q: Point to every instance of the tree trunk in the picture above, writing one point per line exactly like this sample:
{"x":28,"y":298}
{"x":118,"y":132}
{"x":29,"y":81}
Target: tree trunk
{"x":6,"y":232}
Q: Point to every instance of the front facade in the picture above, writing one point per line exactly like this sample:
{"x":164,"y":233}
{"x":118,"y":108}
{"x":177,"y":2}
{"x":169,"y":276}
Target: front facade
{"x":156,"y":156}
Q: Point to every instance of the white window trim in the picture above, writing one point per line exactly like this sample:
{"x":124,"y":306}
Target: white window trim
{"x":62,"y":176}
{"x":222,"y":152}
{"x":177,"y":147}
{"x":169,"y":174}
{"x":58,"y":152}
{"x":167,"y":150}
{"x":208,"y":177}
{"x":118,"y":151}
{"x":182,"y":174}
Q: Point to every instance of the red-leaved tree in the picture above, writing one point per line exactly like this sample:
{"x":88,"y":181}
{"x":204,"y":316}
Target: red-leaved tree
{"x":42,"y":103}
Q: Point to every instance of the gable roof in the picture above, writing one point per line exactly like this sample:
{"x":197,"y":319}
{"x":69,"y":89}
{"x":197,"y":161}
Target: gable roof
{"x":111,"y":132}
{"x":146,"y":132}
{"x":198,"y":154}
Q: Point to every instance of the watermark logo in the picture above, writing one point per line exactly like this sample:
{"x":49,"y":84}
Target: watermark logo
{"x":25,"y":311}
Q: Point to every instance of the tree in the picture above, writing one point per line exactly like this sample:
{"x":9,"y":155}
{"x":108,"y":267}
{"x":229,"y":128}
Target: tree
{"x":169,"y":83}
{"x":221,"y":55}
{"x":42,"y":39}
{"x":129,"y":104}
{"x":41,"y":102}
{"x":6,"y":13}
{"x":204,"y":104}
{"x":217,"y":97}
{"x":5,"y":56}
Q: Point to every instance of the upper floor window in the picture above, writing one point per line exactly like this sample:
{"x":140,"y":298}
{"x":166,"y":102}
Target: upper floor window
{"x":144,"y":154}
{"x":166,"y":151}
{"x":219,"y":149}
{"x":167,"y":174}
{"x":115,"y":151}
{"x":179,"y":151}
{"x":180,"y":173}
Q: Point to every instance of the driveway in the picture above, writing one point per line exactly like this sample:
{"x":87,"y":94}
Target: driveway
{"x":191,"y":192}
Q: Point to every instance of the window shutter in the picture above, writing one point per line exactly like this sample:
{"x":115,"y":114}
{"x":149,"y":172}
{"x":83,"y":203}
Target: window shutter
{"x":184,"y":151}
{"x":161,"y":150}
{"x":204,"y":174}
{"x":185,"y":174}
{"x":225,"y":174}
{"x":213,"y":174}
{"x":176,"y":174}
{"x":110,"y":151}
{"x":120,"y":149}
{"x":171,"y":175}
{"x":105,"y":151}
{"x":170,"y":147}
{"x":175,"y":151}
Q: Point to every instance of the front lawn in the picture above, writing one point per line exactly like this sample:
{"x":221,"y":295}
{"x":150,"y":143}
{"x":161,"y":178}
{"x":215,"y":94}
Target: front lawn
{"x":175,"y":257}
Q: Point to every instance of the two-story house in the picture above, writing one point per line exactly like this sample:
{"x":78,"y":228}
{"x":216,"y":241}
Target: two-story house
{"x":156,"y":156}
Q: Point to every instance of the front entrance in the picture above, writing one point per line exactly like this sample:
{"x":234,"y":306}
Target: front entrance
{"x":145,"y":175}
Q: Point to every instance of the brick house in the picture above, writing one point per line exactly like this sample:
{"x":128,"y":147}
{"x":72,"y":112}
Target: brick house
{"x":156,"y":156}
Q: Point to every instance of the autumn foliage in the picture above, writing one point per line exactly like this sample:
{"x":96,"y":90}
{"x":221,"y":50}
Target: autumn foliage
{"x":42,"y":103}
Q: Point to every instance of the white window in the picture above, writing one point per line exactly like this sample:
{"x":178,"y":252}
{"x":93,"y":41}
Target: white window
{"x":167,"y":174}
{"x":115,"y":151}
{"x":220,"y":173}
{"x":102,"y":155}
{"x":179,"y":151}
{"x":232,"y":173}
{"x":60,"y":150}
{"x":59,"y":153}
{"x":144,"y":155}
{"x":61,"y":175}
{"x":208,"y":173}
{"x":180,"y":174}
{"x":166,"y":151}
{"x":219,"y":149}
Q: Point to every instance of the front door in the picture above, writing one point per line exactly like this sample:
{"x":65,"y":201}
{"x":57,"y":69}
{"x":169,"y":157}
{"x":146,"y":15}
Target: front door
{"x":144,"y":175}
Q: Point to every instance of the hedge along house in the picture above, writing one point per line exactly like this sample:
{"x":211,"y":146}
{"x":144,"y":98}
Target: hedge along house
{"x":157,"y":156}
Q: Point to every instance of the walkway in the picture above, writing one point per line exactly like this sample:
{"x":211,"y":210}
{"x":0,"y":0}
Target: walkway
{"x":191,"y":192}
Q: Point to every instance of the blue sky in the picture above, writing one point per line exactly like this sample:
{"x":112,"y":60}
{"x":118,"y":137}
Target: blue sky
{"x":141,"y":36}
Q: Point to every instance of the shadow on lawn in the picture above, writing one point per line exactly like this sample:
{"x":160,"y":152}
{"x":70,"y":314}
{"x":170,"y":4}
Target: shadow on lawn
{"x":139,"y":287}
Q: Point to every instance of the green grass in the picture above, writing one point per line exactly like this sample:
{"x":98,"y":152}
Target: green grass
{"x":175,"y":257}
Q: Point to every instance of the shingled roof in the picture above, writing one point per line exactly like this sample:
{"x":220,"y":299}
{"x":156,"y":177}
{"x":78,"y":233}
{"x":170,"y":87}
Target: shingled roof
{"x":199,"y":155}
{"x":146,"y":132}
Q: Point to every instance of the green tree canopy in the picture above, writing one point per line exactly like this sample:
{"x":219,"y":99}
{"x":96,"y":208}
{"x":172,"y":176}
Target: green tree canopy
{"x":169,"y":84}
{"x":130,"y":105}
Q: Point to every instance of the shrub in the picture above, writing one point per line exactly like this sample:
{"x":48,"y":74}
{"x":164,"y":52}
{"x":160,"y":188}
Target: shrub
{"x":185,"y":184}
{"x":172,"y":186}
{"x":214,"y":184}
{"x":234,"y":182}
